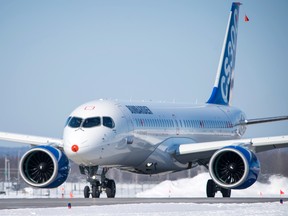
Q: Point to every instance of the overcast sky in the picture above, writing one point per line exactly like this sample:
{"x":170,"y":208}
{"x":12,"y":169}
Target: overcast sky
{"x":56,"y":55}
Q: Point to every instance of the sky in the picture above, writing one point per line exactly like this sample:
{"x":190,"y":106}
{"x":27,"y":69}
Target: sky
{"x":56,"y":55}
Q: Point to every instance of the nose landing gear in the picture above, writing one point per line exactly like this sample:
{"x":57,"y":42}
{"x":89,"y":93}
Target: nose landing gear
{"x":97,"y":187}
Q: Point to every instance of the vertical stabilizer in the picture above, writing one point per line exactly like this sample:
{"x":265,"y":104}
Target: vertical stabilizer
{"x":223,"y":86}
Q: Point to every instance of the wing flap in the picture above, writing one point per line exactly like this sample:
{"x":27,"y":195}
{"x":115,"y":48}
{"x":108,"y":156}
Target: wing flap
{"x":31,"y":140}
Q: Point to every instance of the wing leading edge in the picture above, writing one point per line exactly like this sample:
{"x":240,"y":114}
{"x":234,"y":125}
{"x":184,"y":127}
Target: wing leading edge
{"x":31,"y":140}
{"x":203,"y":151}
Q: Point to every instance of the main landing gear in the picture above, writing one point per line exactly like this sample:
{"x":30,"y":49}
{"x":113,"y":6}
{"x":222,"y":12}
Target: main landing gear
{"x":213,"y":188}
{"x":97,"y":187}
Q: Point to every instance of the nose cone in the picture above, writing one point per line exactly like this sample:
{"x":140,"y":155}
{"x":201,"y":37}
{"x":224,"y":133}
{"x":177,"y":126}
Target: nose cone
{"x":85,"y":145}
{"x":81,"y":146}
{"x":75,"y":148}
{"x":76,"y":152}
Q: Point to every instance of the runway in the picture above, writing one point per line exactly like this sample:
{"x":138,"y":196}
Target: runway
{"x":58,"y":202}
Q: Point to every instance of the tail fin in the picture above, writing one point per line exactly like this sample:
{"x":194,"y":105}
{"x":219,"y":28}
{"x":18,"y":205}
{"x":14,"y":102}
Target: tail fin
{"x":224,"y":82}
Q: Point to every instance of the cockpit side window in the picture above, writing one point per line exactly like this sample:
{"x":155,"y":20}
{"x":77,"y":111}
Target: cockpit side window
{"x":68,"y":120}
{"x":108,"y":122}
{"x":75,"y":122}
{"x":91,"y":122}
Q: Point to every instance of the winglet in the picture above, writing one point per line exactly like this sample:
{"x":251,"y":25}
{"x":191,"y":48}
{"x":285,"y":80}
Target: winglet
{"x":222,"y":91}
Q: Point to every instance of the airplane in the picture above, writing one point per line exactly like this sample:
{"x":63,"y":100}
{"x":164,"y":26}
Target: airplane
{"x":154,"y":138}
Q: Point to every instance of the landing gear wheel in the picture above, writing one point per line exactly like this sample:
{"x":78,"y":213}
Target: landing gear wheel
{"x":93,"y":174}
{"x":225,"y":192}
{"x":86,"y":192}
{"x":111,"y":189}
{"x":95,"y":192}
{"x":211,"y":188}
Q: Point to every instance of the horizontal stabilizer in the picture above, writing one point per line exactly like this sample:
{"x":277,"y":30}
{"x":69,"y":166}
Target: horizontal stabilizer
{"x":263,"y":120}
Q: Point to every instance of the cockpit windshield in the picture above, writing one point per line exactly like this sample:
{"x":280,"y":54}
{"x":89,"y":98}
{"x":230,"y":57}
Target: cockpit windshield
{"x":76,"y":122}
{"x":91,"y":122}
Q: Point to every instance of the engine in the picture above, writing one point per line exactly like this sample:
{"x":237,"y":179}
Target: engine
{"x":44,"y":167}
{"x":234,"y":167}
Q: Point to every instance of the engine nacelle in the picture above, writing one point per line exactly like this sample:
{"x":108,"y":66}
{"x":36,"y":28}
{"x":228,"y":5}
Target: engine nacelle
{"x":44,"y":167}
{"x":234,"y":167}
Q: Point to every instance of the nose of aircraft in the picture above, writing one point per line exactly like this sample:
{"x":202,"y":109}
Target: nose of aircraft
{"x":75,"y":148}
{"x":81,"y":145}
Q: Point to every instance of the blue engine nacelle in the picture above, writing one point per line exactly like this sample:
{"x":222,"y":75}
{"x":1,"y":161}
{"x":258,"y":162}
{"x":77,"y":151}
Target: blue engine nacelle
{"x":44,"y":167}
{"x":234,"y":167}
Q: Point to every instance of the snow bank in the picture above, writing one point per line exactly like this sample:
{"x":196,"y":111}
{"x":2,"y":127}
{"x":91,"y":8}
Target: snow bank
{"x":196,"y":187}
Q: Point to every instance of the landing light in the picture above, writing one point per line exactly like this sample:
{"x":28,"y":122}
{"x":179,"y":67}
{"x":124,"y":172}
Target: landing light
{"x":149,"y":164}
{"x":75,"y":148}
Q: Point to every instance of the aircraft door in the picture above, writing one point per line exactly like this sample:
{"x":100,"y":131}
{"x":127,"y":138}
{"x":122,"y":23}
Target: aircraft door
{"x":177,"y":125}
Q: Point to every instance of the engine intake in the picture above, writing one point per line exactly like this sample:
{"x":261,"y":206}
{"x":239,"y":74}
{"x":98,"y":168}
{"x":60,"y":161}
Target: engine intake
{"x":44,"y":167}
{"x":234,"y":167}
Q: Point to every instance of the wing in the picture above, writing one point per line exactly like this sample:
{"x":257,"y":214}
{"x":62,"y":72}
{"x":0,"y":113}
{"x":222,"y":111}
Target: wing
{"x":32,"y":140}
{"x":203,"y":151}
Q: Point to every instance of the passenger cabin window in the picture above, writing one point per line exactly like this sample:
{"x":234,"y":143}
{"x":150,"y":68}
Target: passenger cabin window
{"x":91,"y":122}
{"x":75,"y":122}
{"x":108,"y":122}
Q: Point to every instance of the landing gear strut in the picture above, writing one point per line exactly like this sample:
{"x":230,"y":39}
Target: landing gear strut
{"x":213,"y":188}
{"x":97,"y":187}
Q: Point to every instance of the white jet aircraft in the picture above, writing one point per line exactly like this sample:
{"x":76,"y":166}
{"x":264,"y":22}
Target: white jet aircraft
{"x":151,"y":138}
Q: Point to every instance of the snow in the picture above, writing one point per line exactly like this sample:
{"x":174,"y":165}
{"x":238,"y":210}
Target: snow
{"x":196,"y":187}
{"x":167,"y":209}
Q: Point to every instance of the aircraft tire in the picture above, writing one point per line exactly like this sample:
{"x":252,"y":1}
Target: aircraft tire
{"x":226,"y":192}
{"x":95,"y":192}
{"x":86,"y":192}
{"x":210,"y":188}
{"x":111,"y":189}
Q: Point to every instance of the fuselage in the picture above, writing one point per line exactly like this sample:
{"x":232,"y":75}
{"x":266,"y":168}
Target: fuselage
{"x":140,"y":137}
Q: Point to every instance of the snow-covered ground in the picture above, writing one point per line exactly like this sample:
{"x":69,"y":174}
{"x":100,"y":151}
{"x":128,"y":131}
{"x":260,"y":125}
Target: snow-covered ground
{"x":169,"y":209}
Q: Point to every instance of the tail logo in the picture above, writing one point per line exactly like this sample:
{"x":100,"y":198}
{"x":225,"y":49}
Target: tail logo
{"x":228,"y":65}
{"x":224,"y":82}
